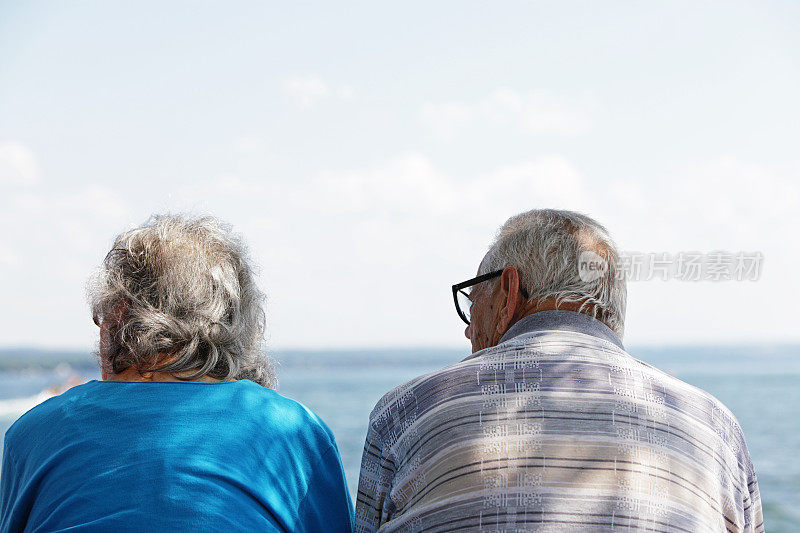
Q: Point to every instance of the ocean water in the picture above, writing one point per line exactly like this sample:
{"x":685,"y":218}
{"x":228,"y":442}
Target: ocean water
{"x":760,"y":384}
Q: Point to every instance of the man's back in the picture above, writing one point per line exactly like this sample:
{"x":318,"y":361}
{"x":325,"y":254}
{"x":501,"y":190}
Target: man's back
{"x":556,"y":428}
{"x":171,"y":455}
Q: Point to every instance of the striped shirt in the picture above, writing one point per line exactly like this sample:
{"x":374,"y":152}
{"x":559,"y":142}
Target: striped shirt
{"x":556,"y":428}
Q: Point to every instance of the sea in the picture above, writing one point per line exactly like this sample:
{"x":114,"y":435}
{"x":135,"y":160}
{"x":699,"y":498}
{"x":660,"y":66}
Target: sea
{"x":759,"y":383}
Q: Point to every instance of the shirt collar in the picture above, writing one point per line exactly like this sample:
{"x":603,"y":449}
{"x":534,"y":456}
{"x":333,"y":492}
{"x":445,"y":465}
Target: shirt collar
{"x":562,"y":321}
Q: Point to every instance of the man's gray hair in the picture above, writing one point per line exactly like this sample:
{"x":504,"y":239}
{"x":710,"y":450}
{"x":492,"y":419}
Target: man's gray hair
{"x":183,"y":299}
{"x":546,"y":245}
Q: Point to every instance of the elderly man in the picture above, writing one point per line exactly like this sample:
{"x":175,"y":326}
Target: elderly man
{"x":550,"y":424}
{"x":183,"y":432}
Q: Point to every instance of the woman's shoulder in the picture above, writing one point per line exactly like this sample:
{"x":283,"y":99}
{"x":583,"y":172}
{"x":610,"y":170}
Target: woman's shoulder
{"x":41,"y":417}
{"x":285,"y":415}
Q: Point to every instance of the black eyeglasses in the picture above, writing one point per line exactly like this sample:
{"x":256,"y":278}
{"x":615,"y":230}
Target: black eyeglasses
{"x":464,"y":302}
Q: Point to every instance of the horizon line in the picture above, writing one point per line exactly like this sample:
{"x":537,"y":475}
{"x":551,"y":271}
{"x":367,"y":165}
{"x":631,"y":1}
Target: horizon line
{"x":422,"y":347}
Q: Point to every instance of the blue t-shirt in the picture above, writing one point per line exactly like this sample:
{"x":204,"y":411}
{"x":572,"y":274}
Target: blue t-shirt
{"x":172,"y":455}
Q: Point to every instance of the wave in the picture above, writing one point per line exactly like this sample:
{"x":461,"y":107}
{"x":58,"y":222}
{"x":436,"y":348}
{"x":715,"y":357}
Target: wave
{"x":14,"y":407}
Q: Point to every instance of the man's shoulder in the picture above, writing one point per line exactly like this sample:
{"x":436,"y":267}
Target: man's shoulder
{"x":690,"y":405}
{"x":546,"y":349}
{"x":398,"y":400}
{"x":551,"y":346}
{"x":678,"y":388}
{"x":420,"y":390}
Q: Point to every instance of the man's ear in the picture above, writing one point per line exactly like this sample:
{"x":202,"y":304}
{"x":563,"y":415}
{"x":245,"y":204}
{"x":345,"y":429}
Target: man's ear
{"x":509,"y":294}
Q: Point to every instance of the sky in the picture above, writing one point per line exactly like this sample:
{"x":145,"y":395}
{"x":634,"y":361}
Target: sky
{"x":368,"y":152}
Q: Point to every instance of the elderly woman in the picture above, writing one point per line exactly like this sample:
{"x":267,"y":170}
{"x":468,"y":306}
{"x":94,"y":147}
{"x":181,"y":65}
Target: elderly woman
{"x":184,"y":432}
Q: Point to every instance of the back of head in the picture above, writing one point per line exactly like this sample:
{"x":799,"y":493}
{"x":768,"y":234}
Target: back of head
{"x":183,"y":299}
{"x":547,"y":247}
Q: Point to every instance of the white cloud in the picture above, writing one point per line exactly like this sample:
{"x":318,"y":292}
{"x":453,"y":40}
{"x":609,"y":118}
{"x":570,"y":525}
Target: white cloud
{"x":248,"y":144}
{"x":17,"y":164}
{"x":536,"y":113}
{"x":345,"y":92}
{"x":405,"y":183}
{"x":544,"y":181}
{"x":411,"y":185}
{"x":446,"y":119}
{"x":305,"y":91}
{"x":739,"y":196}
{"x":366,"y":255}
{"x":61,"y":228}
{"x":55,"y":239}
{"x":9,"y":257}
{"x":721,"y":202}
{"x":408,"y":215}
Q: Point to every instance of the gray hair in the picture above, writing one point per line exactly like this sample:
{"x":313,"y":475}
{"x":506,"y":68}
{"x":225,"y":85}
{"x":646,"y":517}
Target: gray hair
{"x":183,"y":288}
{"x":545,"y":245}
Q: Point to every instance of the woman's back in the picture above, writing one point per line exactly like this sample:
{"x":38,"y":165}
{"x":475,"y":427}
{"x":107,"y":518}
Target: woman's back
{"x":167,"y":455}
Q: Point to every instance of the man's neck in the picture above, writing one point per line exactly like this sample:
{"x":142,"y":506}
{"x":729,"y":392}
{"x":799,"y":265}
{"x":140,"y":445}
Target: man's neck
{"x":545,"y":304}
{"x":563,"y":320}
{"x":548,"y":304}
